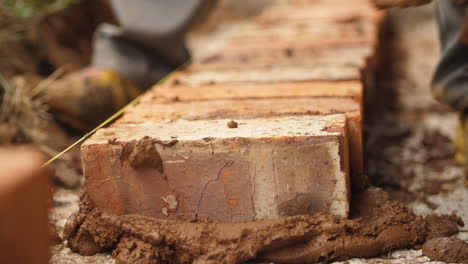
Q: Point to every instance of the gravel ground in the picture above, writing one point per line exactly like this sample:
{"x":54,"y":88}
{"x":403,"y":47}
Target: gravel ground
{"x":409,"y":150}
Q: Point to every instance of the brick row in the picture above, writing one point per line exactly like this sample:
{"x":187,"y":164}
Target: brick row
{"x":261,"y":169}
{"x":270,"y":125}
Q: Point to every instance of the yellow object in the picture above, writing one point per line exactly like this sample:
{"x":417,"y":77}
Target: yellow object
{"x":85,"y":98}
{"x":461,"y":140}
{"x":122,"y":90}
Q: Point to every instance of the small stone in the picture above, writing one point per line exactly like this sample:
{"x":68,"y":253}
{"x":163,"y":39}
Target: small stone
{"x":232,"y":124}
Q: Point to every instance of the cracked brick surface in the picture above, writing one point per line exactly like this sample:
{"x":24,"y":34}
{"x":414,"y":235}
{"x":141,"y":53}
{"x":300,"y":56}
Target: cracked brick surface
{"x":264,"y":168}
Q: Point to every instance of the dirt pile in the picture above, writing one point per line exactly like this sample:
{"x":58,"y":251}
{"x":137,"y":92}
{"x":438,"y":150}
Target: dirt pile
{"x":446,"y":249}
{"x":88,"y":233}
{"x":442,"y":226}
{"x":380,"y":226}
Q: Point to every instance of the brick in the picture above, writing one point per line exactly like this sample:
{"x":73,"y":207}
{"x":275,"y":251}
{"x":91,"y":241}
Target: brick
{"x":234,"y":109}
{"x":286,"y":56}
{"x":155,"y":110}
{"x":196,"y":76}
{"x":258,"y":49}
{"x":308,"y":52}
{"x":265,"y":168}
{"x":321,"y":33}
{"x":338,"y":11}
{"x":24,"y":196}
{"x":176,"y":92}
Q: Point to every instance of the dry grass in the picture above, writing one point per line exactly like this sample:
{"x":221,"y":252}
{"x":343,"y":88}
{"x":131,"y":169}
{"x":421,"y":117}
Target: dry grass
{"x":22,"y":101}
{"x":23,"y":106}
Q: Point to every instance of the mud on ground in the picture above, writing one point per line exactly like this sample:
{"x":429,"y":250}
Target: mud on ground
{"x":409,"y":149}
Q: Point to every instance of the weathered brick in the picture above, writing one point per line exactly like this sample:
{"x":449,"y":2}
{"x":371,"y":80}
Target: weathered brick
{"x":201,"y":75}
{"x":171,"y":111}
{"x":176,"y":92}
{"x":265,"y":168}
{"x":322,"y":33}
{"x":331,"y":12}
{"x":286,"y":55}
{"x":260,"y":49}
{"x":308,"y":52}
{"x":24,"y":197}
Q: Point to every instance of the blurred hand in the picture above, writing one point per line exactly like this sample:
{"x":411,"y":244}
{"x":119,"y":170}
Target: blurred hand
{"x":399,"y":3}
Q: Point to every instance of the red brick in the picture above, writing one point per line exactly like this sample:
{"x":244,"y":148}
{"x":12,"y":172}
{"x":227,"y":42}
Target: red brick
{"x":265,"y":168}
{"x":171,"y":92}
{"x":202,"y":75}
{"x":321,"y":33}
{"x":332,"y":12}
{"x":308,"y":52}
{"x":286,"y":56}
{"x":24,"y":197}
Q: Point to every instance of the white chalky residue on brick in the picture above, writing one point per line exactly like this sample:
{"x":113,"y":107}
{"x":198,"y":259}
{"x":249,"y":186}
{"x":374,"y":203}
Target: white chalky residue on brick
{"x":171,"y":201}
{"x":264,"y":184}
{"x":340,"y":204}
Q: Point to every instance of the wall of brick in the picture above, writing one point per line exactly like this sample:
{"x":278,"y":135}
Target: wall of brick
{"x":293,"y":81}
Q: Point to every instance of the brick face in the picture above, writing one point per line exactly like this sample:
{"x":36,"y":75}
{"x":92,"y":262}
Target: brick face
{"x":181,"y":93}
{"x":268,"y":74}
{"x":318,"y":34}
{"x":265,"y":168}
{"x":282,"y":50}
{"x":337,"y":11}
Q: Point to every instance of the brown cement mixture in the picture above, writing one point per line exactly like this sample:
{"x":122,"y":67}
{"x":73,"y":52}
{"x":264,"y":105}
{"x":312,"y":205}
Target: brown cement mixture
{"x":378,"y":226}
{"x":446,"y":249}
